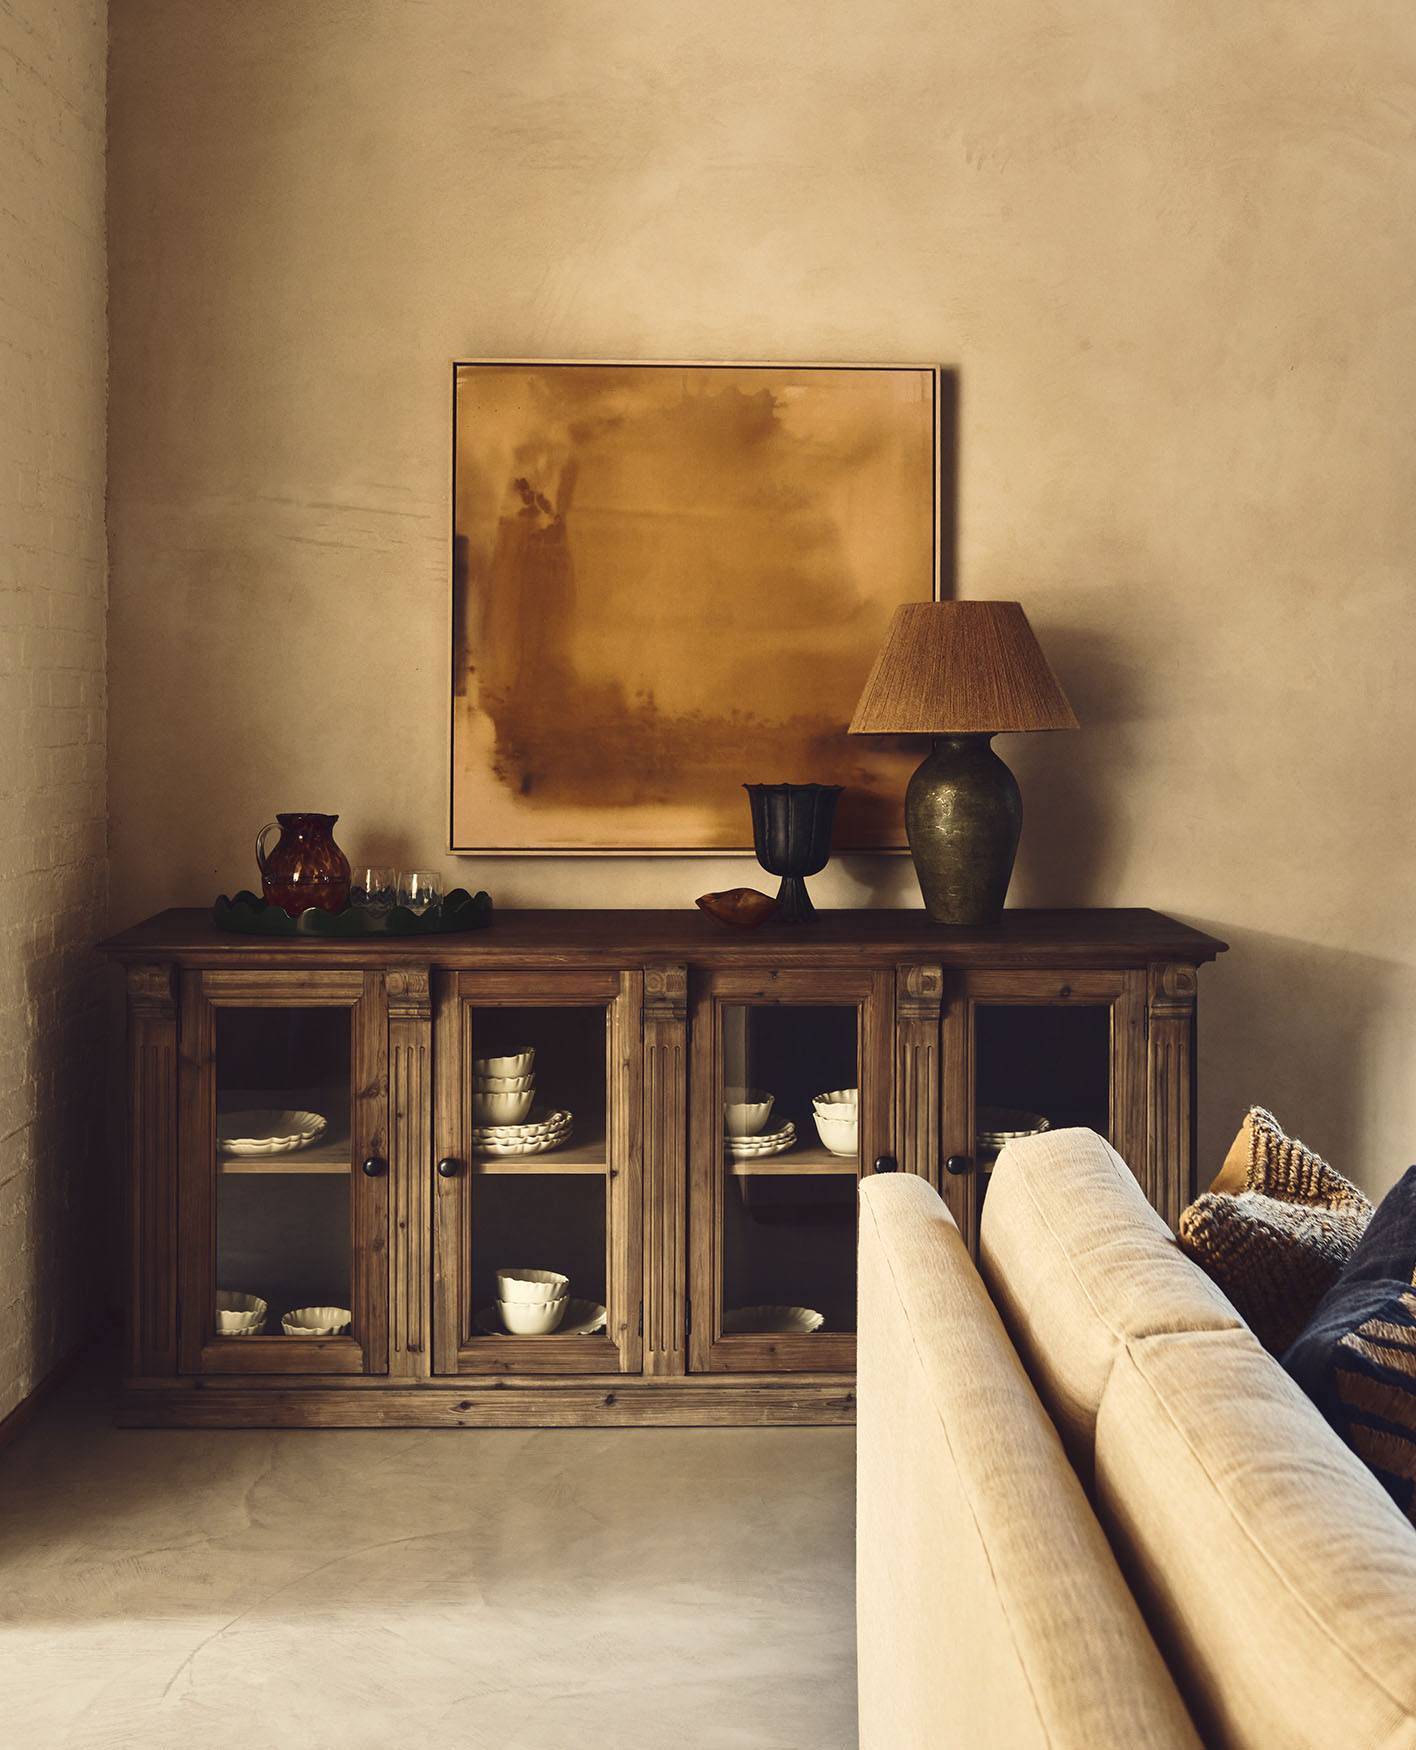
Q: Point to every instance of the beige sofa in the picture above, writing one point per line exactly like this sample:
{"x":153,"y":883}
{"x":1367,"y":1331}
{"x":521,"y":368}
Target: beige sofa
{"x":1093,"y":1512}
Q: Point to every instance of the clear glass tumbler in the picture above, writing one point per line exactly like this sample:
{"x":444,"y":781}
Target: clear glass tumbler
{"x":418,"y":889}
{"x":375,"y":890}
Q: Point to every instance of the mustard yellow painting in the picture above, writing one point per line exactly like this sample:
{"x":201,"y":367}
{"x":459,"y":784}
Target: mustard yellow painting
{"x":669,"y":580}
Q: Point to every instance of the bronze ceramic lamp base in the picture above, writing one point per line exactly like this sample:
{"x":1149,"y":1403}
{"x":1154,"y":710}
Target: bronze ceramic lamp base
{"x":963,"y":817}
{"x":962,"y":672}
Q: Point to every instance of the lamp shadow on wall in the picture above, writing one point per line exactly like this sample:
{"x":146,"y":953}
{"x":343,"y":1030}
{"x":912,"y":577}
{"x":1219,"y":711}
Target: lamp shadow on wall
{"x":1072,"y":830}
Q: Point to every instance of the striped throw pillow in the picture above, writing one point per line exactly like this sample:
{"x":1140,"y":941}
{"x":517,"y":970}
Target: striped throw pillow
{"x":1275,"y":1228}
{"x":1357,"y":1357}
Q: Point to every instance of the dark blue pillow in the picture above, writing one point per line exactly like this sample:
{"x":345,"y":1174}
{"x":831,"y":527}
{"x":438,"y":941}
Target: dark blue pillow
{"x":1356,"y":1357}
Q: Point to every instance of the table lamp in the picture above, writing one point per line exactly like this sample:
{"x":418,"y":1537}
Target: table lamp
{"x":962,"y":672}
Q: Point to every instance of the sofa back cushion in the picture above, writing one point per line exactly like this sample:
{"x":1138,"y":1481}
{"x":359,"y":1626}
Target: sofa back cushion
{"x":990,"y":1609}
{"x":1079,"y":1264}
{"x":1279,"y":1578}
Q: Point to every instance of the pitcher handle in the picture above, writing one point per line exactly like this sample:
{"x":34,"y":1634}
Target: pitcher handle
{"x":272,"y":826}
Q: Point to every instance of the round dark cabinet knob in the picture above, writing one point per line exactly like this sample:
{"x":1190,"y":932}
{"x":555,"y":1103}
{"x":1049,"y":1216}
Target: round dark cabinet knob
{"x":957,"y":1164}
{"x":449,"y":1168}
{"x":374,"y":1166}
{"x":886,"y":1164}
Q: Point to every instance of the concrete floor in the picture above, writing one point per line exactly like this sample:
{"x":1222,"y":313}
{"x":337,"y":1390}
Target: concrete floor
{"x":513,"y":1590}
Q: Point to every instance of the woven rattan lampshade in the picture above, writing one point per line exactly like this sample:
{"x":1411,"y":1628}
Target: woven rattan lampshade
{"x":961,"y":668}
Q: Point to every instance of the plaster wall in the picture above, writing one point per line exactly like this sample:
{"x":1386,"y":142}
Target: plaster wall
{"x":1168,"y":250}
{"x":53,"y":601}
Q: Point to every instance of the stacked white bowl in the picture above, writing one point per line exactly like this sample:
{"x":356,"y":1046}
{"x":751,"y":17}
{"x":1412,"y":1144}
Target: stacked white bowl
{"x":504,"y":1088}
{"x":746,"y":1110}
{"x":531,"y":1302}
{"x":239,"y":1315}
{"x":837,"y":1120}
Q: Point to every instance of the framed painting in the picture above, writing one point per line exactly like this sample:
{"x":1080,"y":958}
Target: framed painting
{"x":671,"y":579}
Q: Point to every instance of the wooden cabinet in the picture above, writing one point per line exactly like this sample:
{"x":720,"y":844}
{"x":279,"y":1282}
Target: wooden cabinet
{"x":712,"y":1280}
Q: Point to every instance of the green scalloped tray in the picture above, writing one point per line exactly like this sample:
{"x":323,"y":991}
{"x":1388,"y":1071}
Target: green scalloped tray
{"x":248,"y":915}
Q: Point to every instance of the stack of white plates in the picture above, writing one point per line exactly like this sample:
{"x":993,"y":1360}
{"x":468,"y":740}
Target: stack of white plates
{"x":267,"y":1132}
{"x":535,"y":1138}
{"x":769,"y":1142}
{"x":996,"y":1125}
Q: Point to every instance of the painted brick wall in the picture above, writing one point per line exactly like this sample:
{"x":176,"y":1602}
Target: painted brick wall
{"x":53,"y":705}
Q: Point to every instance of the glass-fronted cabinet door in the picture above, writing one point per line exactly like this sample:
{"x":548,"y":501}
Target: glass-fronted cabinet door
{"x":537,"y":1217}
{"x":283,"y":1204}
{"x":1026,"y":1051}
{"x":790,"y":1102}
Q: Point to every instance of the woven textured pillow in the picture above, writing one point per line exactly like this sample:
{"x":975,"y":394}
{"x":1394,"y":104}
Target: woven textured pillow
{"x":1356,"y":1359}
{"x":1275,"y":1229}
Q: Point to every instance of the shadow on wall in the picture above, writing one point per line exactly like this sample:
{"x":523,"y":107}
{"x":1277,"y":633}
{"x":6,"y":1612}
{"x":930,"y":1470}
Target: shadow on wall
{"x":1302,"y":1029}
{"x":60,"y":1281}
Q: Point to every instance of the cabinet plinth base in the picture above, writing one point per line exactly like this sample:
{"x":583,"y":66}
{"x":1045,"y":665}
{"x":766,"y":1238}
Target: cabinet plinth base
{"x":774,"y":1401}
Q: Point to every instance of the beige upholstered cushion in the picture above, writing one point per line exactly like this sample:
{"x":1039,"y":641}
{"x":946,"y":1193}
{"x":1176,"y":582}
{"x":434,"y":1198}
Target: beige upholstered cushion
{"x":1278,"y":1575}
{"x":990,"y":1608}
{"x":1275,"y":1228}
{"x":1078,"y":1262}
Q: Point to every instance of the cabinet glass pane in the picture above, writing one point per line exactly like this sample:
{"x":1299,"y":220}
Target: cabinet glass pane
{"x":283,"y":1159}
{"x":539,"y":1197}
{"x":1035,"y":1062}
{"x":789,"y":1199}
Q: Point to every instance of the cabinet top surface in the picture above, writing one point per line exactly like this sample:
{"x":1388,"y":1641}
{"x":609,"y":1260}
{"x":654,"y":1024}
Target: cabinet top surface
{"x":1023,"y":938}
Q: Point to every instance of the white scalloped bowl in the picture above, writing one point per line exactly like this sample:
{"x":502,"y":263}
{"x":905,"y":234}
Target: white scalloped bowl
{"x":848,"y":1098}
{"x":529,"y":1287}
{"x":316,"y":1321}
{"x":532,"y":1318}
{"x":516,"y":1063}
{"x":239,"y":1315}
{"x":502,"y":1084}
{"x":840,"y":1135}
{"x":746,"y":1110}
{"x":501,"y":1108}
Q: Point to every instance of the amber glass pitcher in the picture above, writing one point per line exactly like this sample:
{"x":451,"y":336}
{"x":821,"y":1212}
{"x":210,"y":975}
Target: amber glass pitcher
{"x":306,"y":867}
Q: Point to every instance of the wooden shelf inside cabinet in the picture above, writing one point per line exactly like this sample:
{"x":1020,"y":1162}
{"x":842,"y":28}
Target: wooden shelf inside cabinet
{"x":800,"y":1162}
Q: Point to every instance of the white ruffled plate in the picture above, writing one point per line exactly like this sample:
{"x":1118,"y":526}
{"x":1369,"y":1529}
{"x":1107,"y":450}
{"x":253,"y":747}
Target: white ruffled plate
{"x":772,"y":1321}
{"x":557,"y":1120}
{"x":268,"y":1131}
{"x":762,"y":1146}
{"x":998,"y":1124}
{"x":531,"y":1145}
{"x":582,"y":1319}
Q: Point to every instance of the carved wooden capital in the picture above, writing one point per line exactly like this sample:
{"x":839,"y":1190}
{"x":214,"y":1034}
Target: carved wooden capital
{"x":151,"y":992}
{"x":1172,"y":992}
{"x":408,"y":998}
{"x":666,"y":993}
{"x":919,"y":992}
